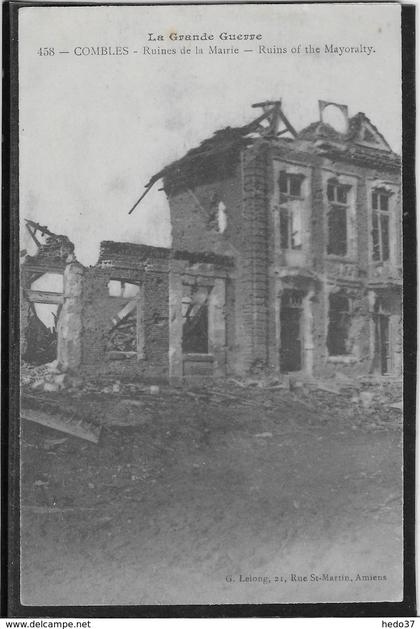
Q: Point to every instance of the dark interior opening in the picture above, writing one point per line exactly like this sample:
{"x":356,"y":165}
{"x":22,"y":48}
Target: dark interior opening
{"x":195,"y":338}
{"x":41,"y":342}
{"x":338,"y":325}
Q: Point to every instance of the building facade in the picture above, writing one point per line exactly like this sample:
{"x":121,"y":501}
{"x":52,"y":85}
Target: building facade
{"x":286,"y":257}
{"x":313,"y":224}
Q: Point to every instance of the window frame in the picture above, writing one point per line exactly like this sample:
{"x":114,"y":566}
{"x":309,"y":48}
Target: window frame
{"x":340,"y":313}
{"x":139,"y":352}
{"x":380,"y":215}
{"x":337,"y":205}
{"x":289,"y":178}
{"x":123,"y":283}
{"x":187,"y":300}
{"x":287,"y":212}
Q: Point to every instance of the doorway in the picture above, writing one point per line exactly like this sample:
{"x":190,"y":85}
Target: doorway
{"x":291,"y":331}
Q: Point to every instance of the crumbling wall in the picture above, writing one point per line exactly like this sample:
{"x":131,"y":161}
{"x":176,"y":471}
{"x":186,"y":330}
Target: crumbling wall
{"x":194,"y":215}
{"x":197,"y":319}
{"x":156,"y":318}
{"x":39,"y":339}
{"x":358,"y":359}
{"x":194,"y":206}
{"x":99,"y":309}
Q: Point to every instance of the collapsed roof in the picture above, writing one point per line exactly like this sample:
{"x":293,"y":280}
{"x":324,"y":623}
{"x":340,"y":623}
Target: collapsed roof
{"x":53,"y":250}
{"x":361,"y":142}
{"x":270,"y":124}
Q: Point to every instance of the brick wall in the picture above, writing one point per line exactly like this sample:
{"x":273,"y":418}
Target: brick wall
{"x":243,"y":191}
{"x":156,"y":318}
{"x":194,"y":212}
{"x":99,"y":308}
{"x":253,"y":278}
{"x":246,"y":190}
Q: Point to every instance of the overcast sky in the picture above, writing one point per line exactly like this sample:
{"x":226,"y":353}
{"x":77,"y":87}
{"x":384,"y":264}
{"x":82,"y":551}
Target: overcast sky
{"x":94,"y":129}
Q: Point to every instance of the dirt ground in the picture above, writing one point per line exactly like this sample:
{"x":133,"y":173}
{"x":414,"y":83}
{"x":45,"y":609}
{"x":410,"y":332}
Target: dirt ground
{"x":225,"y":494}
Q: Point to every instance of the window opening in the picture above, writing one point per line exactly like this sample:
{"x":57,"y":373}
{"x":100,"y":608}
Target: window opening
{"x":339,"y":325}
{"x":380,"y":226}
{"x":123,"y":336}
{"x":337,"y":195}
{"x":195,"y":336}
{"x":290,"y":186}
{"x":41,"y":333}
{"x":41,"y":329}
{"x":291,"y":331}
{"x":121,"y":288}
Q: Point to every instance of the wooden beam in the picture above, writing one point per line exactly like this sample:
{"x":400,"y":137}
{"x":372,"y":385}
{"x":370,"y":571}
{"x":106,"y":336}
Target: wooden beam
{"x":37,"y":268}
{"x":75,"y":426}
{"x":245,"y":130}
{"x":287,"y":124}
{"x":124,"y":312}
{"x":148,"y":188}
{"x":43,"y":297}
{"x":267,"y":103}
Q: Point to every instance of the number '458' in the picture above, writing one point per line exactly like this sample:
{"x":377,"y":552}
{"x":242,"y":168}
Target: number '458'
{"x":45,"y":52}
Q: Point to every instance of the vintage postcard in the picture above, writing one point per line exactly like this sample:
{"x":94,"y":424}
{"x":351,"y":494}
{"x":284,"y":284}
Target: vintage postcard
{"x":210,"y":304}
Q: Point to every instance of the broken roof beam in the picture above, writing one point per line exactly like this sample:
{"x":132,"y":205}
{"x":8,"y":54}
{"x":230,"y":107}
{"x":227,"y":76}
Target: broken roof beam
{"x":43,"y":297}
{"x":267,"y":103}
{"x":122,"y":314}
{"x":287,"y":124}
{"x":273,"y":108}
{"x":244,"y":131}
{"x":37,"y":227}
{"x":148,"y":187}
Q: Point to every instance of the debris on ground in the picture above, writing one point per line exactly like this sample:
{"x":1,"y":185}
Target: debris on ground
{"x":366,"y":398}
{"x":200,"y":476}
{"x":60,"y":418}
{"x":398,"y":406}
{"x":366,"y":403}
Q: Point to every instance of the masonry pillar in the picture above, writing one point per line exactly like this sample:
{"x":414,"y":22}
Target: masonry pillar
{"x":254,"y":263}
{"x":396,"y":344}
{"x":273,"y":326}
{"x":175,"y":322}
{"x":217,"y":326}
{"x":69,"y":327}
{"x":308,"y":335}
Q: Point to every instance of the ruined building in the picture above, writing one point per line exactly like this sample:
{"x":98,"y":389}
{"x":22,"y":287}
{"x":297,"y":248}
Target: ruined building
{"x":286,"y":256}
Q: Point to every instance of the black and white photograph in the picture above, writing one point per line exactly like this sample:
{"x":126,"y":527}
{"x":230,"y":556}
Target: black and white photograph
{"x":211,"y":341}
